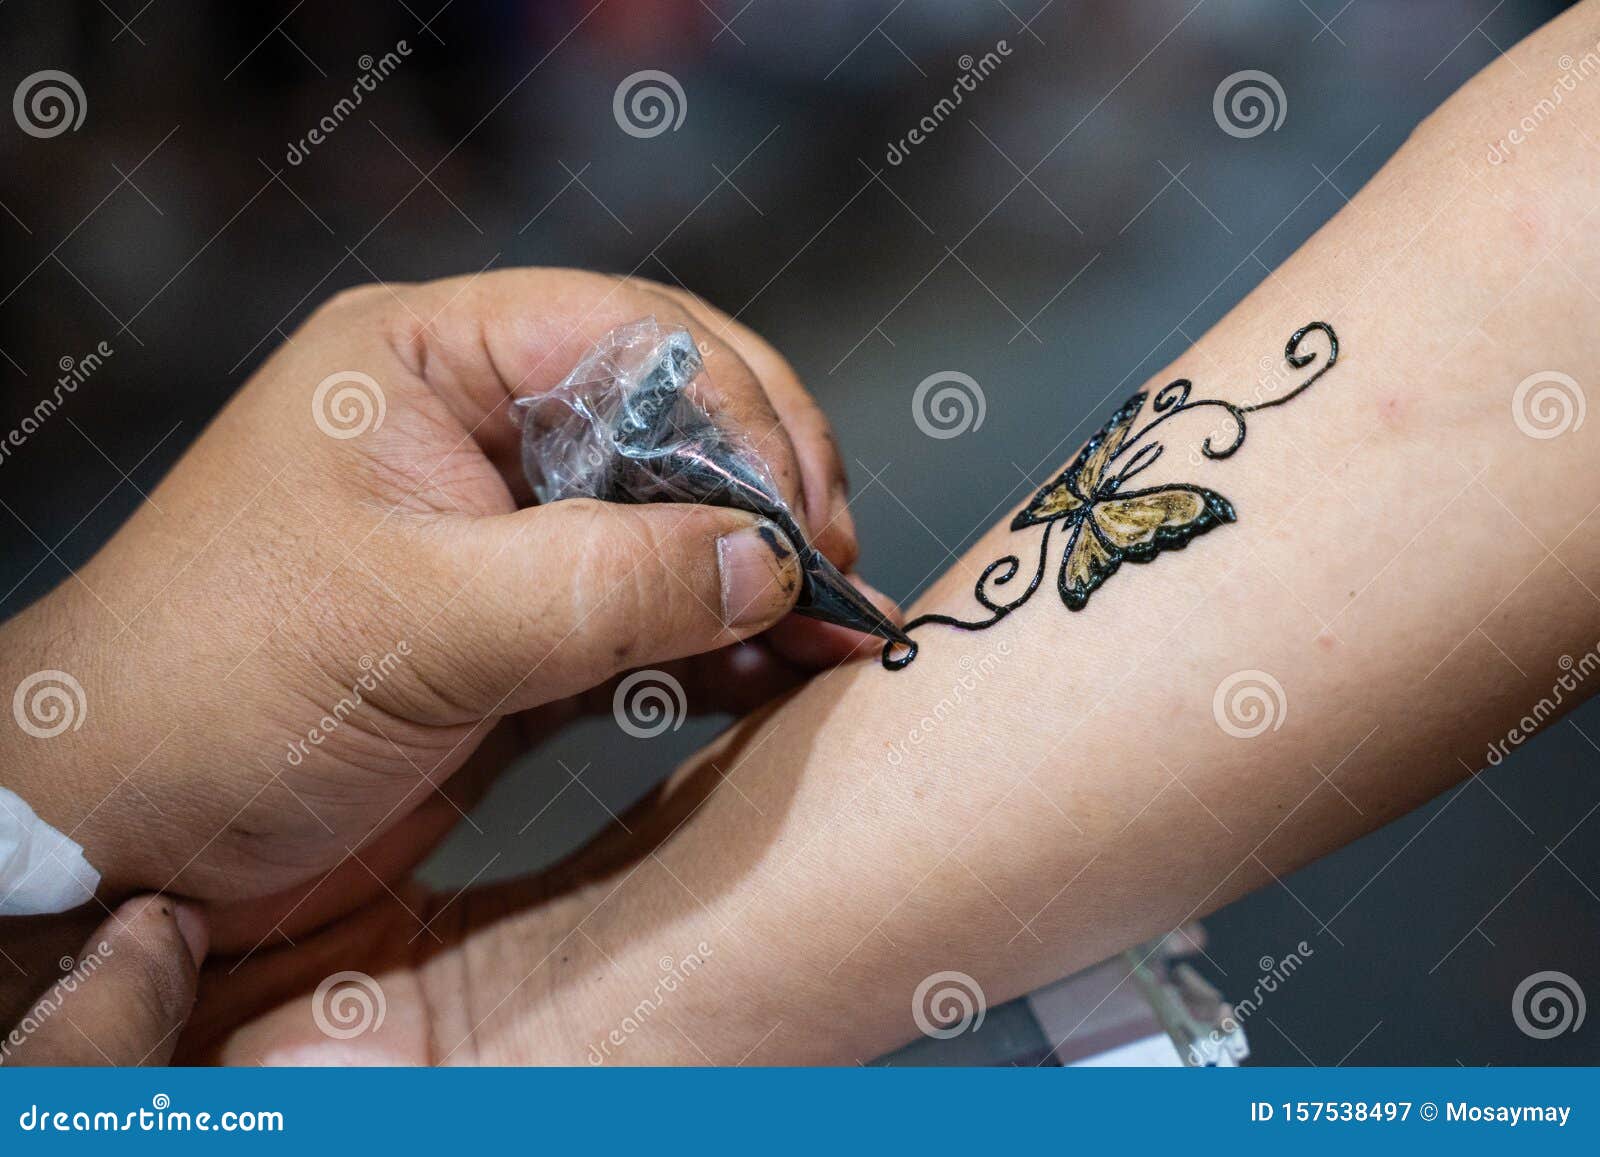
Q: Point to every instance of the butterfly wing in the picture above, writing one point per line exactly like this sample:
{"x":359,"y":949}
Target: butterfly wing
{"x":1072,"y":490}
{"x":1087,"y":563}
{"x":1136,"y":526}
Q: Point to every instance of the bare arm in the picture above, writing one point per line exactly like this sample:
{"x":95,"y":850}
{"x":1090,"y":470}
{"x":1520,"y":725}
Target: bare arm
{"x":1408,"y":564}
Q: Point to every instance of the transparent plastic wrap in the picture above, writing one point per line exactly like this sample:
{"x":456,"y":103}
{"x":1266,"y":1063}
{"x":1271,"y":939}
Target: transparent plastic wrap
{"x":624,"y":426}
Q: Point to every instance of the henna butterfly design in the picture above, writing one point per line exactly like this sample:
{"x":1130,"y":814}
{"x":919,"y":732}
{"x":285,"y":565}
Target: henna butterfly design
{"x":1105,"y":522}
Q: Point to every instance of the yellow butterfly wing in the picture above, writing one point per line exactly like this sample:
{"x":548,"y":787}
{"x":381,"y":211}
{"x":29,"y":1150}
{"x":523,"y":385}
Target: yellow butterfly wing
{"x":1075,"y":486}
{"x":1136,"y":526}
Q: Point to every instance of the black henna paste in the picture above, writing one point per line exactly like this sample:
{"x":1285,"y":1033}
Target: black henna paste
{"x":1106,"y":525}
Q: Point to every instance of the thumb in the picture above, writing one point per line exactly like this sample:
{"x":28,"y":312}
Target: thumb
{"x":556,"y":599}
{"x":125,"y":998}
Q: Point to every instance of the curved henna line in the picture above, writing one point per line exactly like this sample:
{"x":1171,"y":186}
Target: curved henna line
{"x":1164,"y":402}
{"x":1137,"y":464}
{"x":1001,"y":610}
{"x":1011,"y":563}
{"x":1299,"y":361}
{"x":1237,"y":415}
{"x":1184,"y":407}
{"x":901,"y":662}
{"x":1173,"y":398}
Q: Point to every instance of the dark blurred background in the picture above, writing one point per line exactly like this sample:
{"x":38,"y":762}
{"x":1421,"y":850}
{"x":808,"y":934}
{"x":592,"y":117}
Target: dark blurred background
{"x":1071,"y":226}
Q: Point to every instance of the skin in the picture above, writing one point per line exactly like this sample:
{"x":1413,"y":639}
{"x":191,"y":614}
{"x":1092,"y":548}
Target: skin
{"x":279,"y":576}
{"x":126,"y":996}
{"x":1408,"y":565}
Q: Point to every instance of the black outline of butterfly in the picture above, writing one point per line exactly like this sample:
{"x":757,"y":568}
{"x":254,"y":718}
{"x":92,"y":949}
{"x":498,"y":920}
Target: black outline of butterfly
{"x":1080,"y":496}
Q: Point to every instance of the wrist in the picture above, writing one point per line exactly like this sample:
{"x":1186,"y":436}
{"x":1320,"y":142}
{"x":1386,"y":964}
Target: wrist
{"x":55,"y":753}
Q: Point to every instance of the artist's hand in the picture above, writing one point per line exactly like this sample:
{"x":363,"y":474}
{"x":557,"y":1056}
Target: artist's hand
{"x":334,"y":597}
{"x":122,"y":999}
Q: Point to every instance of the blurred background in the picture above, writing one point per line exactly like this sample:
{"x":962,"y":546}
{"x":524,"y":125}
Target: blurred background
{"x":1079,"y":218}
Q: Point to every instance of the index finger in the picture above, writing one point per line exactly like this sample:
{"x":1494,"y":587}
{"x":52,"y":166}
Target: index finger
{"x":826,"y":484}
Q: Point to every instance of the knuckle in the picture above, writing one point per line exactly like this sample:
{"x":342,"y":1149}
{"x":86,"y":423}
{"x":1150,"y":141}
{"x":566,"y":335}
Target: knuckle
{"x":681,"y":297}
{"x":585,"y":546}
{"x":647,"y":570}
{"x":353,"y":298}
{"x":614,"y":559}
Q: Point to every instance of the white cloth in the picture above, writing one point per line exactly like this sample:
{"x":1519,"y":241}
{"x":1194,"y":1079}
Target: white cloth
{"x":41,"y":870}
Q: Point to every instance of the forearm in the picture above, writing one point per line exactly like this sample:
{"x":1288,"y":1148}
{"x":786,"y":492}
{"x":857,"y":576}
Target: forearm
{"x":1408,"y":564}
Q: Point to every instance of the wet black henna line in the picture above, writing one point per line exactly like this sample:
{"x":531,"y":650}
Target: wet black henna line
{"x":1012,"y":563}
{"x":1108,"y":525}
